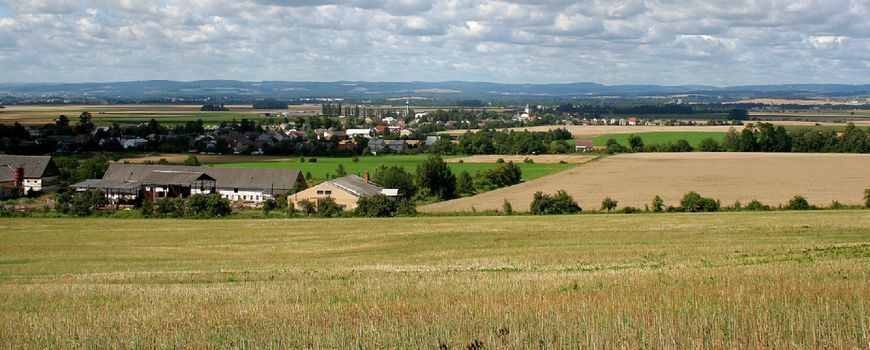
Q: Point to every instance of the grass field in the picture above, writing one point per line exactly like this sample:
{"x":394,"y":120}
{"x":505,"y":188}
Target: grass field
{"x":694,"y":138}
{"x":634,"y":179}
{"x":135,"y":114}
{"x":329,"y":165}
{"x":718,"y":280}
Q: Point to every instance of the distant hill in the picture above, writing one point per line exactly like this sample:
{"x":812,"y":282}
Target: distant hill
{"x":375,"y":90}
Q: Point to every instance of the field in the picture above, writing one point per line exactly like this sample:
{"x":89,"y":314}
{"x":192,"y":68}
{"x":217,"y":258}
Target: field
{"x":694,"y":138}
{"x":719,"y":280}
{"x":328,"y":165}
{"x":134,"y":114}
{"x":588,"y":131}
{"x":634,"y":179}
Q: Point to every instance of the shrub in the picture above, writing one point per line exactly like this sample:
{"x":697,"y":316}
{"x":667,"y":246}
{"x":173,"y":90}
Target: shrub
{"x":307,"y":207}
{"x":559,"y":203}
{"x":406,"y":208}
{"x":312,"y":160}
{"x":798,"y":202}
{"x":608,"y":204}
{"x":327,"y":207}
{"x":837,"y":205}
{"x":507,"y":208}
{"x":630,"y":210}
{"x":709,"y":145}
{"x":191,"y":161}
{"x":755,"y":205}
{"x":867,"y":198}
{"x":464,"y":183}
{"x":376,"y":206}
{"x":658,"y":204}
{"x":503,"y":175}
{"x":206,"y":206}
{"x":693,"y":202}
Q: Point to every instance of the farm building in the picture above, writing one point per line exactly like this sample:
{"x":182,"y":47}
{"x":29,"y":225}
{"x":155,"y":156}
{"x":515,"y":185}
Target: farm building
{"x":346,"y":191}
{"x":583,"y":146}
{"x":132,"y":182}
{"x":22,"y":174}
{"x":377,"y":146}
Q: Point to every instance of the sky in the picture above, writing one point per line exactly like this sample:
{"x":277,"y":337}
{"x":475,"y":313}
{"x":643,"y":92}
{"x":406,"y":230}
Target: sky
{"x":665,"y":42}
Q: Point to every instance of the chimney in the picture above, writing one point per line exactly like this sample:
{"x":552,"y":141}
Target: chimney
{"x":311,"y":183}
{"x":18,"y":179}
{"x":366,"y":176}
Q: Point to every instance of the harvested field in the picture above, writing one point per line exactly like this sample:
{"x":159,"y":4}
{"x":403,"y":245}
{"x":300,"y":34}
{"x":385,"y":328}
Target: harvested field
{"x":781,"y":101}
{"x":634,"y":179}
{"x":542,"y":159}
{"x":596,"y":130}
{"x":132,"y":114}
{"x":744,"y":280}
{"x":203,"y":158}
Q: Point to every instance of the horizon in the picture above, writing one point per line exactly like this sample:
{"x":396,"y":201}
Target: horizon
{"x":629,"y":42}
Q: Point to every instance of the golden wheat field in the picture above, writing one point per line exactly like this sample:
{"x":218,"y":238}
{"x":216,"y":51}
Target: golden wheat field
{"x":634,"y":179}
{"x":711,"y":280}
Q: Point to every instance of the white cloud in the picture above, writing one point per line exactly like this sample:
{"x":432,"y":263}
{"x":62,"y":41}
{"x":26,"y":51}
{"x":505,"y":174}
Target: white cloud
{"x":720,"y":42}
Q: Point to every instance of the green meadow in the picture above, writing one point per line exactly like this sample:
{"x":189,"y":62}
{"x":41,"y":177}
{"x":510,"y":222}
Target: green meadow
{"x":328,"y":165}
{"x":782,"y":279}
{"x":693,"y":137}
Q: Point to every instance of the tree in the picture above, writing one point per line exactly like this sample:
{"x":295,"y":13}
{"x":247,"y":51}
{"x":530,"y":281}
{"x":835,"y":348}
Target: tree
{"x":559,"y":203}
{"x":658,"y":204}
{"x":693,"y":202}
{"x":307,"y":207}
{"x":340,"y":172}
{"x":327,"y":207}
{"x":503,"y":175}
{"x":396,"y":177}
{"x":748,"y":143}
{"x":435,"y":176}
{"x":84,"y":125}
{"x":464,"y":183}
{"x":635,"y":142}
{"x":191,"y":161}
{"x":507,"y":208}
{"x":755,"y":205}
{"x":798,"y":202}
{"x":867,"y":198}
{"x":732,"y":141}
{"x":709,"y":145}
{"x":608,"y":204}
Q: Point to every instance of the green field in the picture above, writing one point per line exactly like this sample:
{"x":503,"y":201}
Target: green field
{"x":716,"y":280}
{"x":694,"y":138}
{"x":329,"y":165}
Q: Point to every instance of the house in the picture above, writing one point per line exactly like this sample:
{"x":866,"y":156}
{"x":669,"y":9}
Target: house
{"x":432,"y":140}
{"x":632,"y":121}
{"x":134,"y":143}
{"x":22,"y":174}
{"x":138,"y":181}
{"x":583,"y":146}
{"x":346,"y":191}
{"x":351,"y":133}
{"x":379,"y":145}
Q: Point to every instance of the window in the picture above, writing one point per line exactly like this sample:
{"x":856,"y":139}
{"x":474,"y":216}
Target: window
{"x":324,"y":192}
{"x":235,"y":190}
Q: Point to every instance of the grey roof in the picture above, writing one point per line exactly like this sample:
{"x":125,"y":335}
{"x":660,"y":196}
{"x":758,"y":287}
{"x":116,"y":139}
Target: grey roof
{"x":261,"y":179}
{"x":357,"y":185}
{"x":107,"y":184}
{"x":34,"y":166}
{"x":174,"y":177}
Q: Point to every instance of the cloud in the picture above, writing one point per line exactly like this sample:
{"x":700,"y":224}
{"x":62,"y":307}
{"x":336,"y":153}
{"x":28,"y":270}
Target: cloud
{"x":719,"y":42}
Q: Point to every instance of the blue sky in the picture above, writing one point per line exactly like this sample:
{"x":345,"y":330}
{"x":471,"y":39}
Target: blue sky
{"x":669,"y":42}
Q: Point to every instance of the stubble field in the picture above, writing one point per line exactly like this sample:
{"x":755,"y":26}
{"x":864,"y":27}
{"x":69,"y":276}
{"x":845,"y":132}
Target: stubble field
{"x":634,"y":179}
{"x":717,"y":280}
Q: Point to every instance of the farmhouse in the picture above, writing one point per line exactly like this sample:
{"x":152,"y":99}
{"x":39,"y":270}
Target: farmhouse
{"x":583,"y":146}
{"x":132,"y":182}
{"x":378,"y":145}
{"x":22,"y":174}
{"x":346,"y":191}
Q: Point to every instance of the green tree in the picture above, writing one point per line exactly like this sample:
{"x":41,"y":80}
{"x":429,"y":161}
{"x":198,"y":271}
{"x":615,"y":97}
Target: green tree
{"x":435,"y":176}
{"x":658,"y":204}
{"x":396,"y":177}
{"x":559,"y":203}
{"x":867,"y":198}
{"x":635,"y":142}
{"x":748,"y":143}
{"x":608,"y":204}
{"x":693,"y":202}
{"x":798,"y":202}
{"x":340,"y":171}
{"x":732,"y":141}
{"x":464,"y":183}
{"x":327,"y":207}
{"x":191,"y":161}
{"x":507,"y":208}
{"x":709,"y":145}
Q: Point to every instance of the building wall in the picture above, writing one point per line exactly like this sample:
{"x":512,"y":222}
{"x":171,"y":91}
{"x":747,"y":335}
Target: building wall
{"x":244,"y":195}
{"x":40,"y":184}
{"x":343,"y":198}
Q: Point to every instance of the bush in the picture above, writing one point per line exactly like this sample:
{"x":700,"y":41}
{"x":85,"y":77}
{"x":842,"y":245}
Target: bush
{"x":503,"y":175}
{"x":867,"y":198}
{"x":327,"y":207}
{"x":464,"y":183}
{"x":307,"y":207}
{"x":312,"y":160}
{"x":608,"y":204}
{"x":376,"y":206}
{"x":630,"y":210}
{"x":507,"y":208}
{"x":207,"y":206}
{"x":693,"y":202}
{"x":191,"y":161}
{"x":837,"y":205}
{"x":755,"y":205}
{"x":559,"y":203}
{"x":798,"y":202}
{"x":658,"y":204}
{"x":80,"y":204}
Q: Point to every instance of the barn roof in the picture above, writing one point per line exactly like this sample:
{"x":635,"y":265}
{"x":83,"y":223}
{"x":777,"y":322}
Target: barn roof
{"x":357,"y":185}
{"x":174,"y":177}
{"x":34,"y":166}
{"x":263,"y":179}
